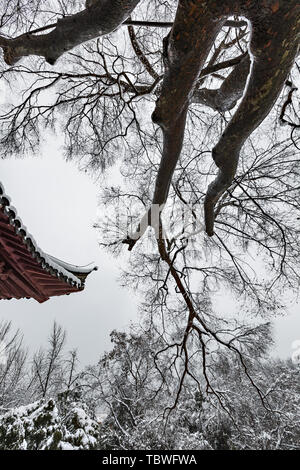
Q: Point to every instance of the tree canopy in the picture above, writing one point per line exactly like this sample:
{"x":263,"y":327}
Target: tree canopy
{"x":196,"y":104}
{"x":121,"y":402}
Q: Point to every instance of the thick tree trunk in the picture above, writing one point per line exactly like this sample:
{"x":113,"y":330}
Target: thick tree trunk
{"x":186,"y":49}
{"x":274,"y":45}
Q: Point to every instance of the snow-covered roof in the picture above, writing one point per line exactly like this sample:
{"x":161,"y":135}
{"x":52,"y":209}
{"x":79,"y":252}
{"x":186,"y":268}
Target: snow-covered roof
{"x":71,"y":274}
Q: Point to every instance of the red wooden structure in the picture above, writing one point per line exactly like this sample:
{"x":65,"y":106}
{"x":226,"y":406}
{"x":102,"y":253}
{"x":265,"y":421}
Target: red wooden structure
{"x":25,"y":270}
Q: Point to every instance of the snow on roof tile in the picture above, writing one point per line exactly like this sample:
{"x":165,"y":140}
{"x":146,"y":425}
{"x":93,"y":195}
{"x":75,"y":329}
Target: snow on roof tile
{"x":73,"y":275}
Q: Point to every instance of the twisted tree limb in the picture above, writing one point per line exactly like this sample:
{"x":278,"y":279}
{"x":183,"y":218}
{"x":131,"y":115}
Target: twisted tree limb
{"x":274,"y":45}
{"x":274,"y":53}
{"x":185,"y":50}
{"x":101,"y":18}
{"x":143,"y":59}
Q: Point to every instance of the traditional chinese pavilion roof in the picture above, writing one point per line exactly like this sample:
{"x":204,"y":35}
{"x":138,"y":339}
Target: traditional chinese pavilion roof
{"x":25,"y":270}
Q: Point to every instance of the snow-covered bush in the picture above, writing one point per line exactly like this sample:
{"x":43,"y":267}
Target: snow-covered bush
{"x":49,"y":425}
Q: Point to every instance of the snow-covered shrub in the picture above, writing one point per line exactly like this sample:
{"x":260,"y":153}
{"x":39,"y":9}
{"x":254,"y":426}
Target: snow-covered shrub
{"x":49,"y":426}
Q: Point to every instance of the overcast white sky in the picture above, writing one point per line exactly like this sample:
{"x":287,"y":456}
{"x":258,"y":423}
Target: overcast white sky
{"x":58,"y":204}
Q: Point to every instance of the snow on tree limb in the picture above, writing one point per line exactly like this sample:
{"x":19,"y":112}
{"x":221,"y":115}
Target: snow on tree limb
{"x":101,"y":18}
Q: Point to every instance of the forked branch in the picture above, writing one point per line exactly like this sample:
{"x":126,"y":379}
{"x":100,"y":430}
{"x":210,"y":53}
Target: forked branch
{"x":186,"y":48}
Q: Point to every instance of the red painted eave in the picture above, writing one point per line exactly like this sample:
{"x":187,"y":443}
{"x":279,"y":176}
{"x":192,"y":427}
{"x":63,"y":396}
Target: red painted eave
{"x":25,"y":271}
